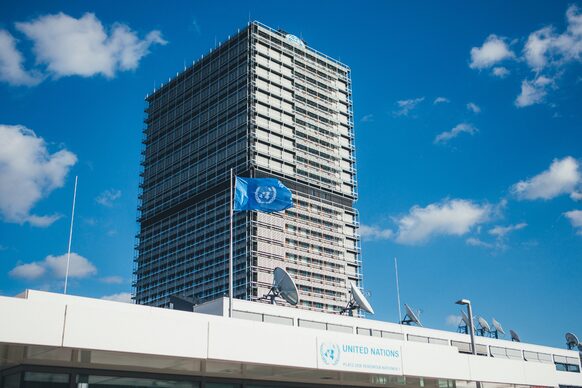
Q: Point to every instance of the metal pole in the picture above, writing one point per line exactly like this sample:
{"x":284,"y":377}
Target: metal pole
{"x":472,"y":329}
{"x":230,"y":271}
{"x":397,"y":290}
{"x":70,"y":236}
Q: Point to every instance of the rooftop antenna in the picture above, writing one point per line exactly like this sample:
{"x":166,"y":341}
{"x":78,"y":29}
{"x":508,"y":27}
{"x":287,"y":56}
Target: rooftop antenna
{"x":70,"y":235}
{"x":572,"y":341}
{"x":283,"y":287}
{"x":397,"y":288}
{"x":498,"y":329}
{"x":484,"y":328}
{"x":514,"y":336}
{"x":411,"y":317}
{"x":357,"y":301}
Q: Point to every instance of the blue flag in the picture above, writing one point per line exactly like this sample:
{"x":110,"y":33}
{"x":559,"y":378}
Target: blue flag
{"x":264,"y":194}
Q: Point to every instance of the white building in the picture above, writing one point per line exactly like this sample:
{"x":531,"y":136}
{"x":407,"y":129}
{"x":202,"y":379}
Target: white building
{"x":53,"y":340}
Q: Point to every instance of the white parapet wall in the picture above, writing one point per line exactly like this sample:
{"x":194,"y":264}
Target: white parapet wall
{"x":111,"y":329}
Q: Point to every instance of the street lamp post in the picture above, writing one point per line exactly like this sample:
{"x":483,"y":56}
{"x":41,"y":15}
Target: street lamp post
{"x":467,"y":302}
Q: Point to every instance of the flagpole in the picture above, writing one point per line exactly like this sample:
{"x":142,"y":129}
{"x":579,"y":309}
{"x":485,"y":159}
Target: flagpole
{"x":230,"y":275}
{"x":70,"y":236}
{"x":397,"y":289}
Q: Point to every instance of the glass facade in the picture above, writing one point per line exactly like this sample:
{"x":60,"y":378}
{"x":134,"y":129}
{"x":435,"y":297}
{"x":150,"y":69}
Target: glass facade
{"x":264,"y":105}
{"x":73,"y":378}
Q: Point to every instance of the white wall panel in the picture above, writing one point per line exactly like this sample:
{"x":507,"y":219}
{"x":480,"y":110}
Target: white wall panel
{"x":27,"y":322}
{"x":261,"y":343}
{"x":138,"y":329}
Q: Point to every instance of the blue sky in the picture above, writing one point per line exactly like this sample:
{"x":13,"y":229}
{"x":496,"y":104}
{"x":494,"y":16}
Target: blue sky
{"x":468,"y":134}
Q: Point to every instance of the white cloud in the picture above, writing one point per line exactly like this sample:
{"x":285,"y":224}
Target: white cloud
{"x":406,"y":106}
{"x":501,"y":231}
{"x":375,"y":233}
{"x":533,"y":92}
{"x":576,"y":195}
{"x":441,"y":100}
{"x":537,"y":45}
{"x":453,"y":320}
{"x":112,"y":280}
{"x":475,"y":242}
{"x":124,"y":297}
{"x":11,"y":68}
{"x":456,"y":131}
{"x":575,"y":217}
{"x":562,"y":177}
{"x":452,"y":217}
{"x":28,"y":173}
{"x":500,"y":71}
{"x":545,"y":47}
{"x":55,"y":266}
{"x":493,"y":51}
{"x":28,"y":271}
{"x":69,"y":46}
{"x":500,"y":234}
{"x":108,"y":197}
{"x":368,"y":118}
{"x":473,"y":107}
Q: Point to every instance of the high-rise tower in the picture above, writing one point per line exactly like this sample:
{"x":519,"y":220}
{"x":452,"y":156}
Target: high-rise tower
{"x":264,"y":104}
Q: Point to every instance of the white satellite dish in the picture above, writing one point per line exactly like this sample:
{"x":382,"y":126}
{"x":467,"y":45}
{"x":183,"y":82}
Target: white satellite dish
{"x":514,"y":336}
{"x":572,"y":340}
{"x":284,"y":287}
{"x":465,"y":323}
{"x":484,"y":326}
{"x":357,"y":301}
{"x":410,"y":317}
{"x":498,"y":329}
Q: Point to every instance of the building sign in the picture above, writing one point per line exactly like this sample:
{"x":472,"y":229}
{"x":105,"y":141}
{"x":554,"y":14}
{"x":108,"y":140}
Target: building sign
{"x":294,"y":39}
{"x":382,"y":356}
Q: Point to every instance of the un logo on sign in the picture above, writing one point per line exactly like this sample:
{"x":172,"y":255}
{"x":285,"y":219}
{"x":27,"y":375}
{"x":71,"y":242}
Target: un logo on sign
{"x":265,"y":194}
{"x":330,"y":353}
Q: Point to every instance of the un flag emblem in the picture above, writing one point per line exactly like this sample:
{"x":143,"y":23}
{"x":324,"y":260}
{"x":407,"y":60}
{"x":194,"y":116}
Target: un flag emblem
{"x":329,"y":353}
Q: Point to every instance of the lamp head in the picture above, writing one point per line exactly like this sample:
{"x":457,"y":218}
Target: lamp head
{"x":463,"y":302}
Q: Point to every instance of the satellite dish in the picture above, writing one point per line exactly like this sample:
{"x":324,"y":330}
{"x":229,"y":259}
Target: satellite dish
{"x":465,"y":323}
{"x":484,"y":326}
{"x":572,"y":340}
{"x":357,"y":301}
{"x":410,"y":317}
{"x":283,"y":287}
{"x":498,"y":329}
{"x":514,"y":336}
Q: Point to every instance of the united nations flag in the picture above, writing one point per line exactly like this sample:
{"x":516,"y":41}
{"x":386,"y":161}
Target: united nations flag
{"x":263,"y":194}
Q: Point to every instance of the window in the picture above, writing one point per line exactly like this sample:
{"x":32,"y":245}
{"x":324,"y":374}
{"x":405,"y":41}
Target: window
{"x":464,"y":347}
{"x":312,"y":324}
{"x":46,"y":380}
{"x":124,"y":382}
{"x":278,"y":320}
{"x":438,"y":341}
{"x":417,"y":338}
{"x":340,"y":328}
{"x":392,"y":335}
